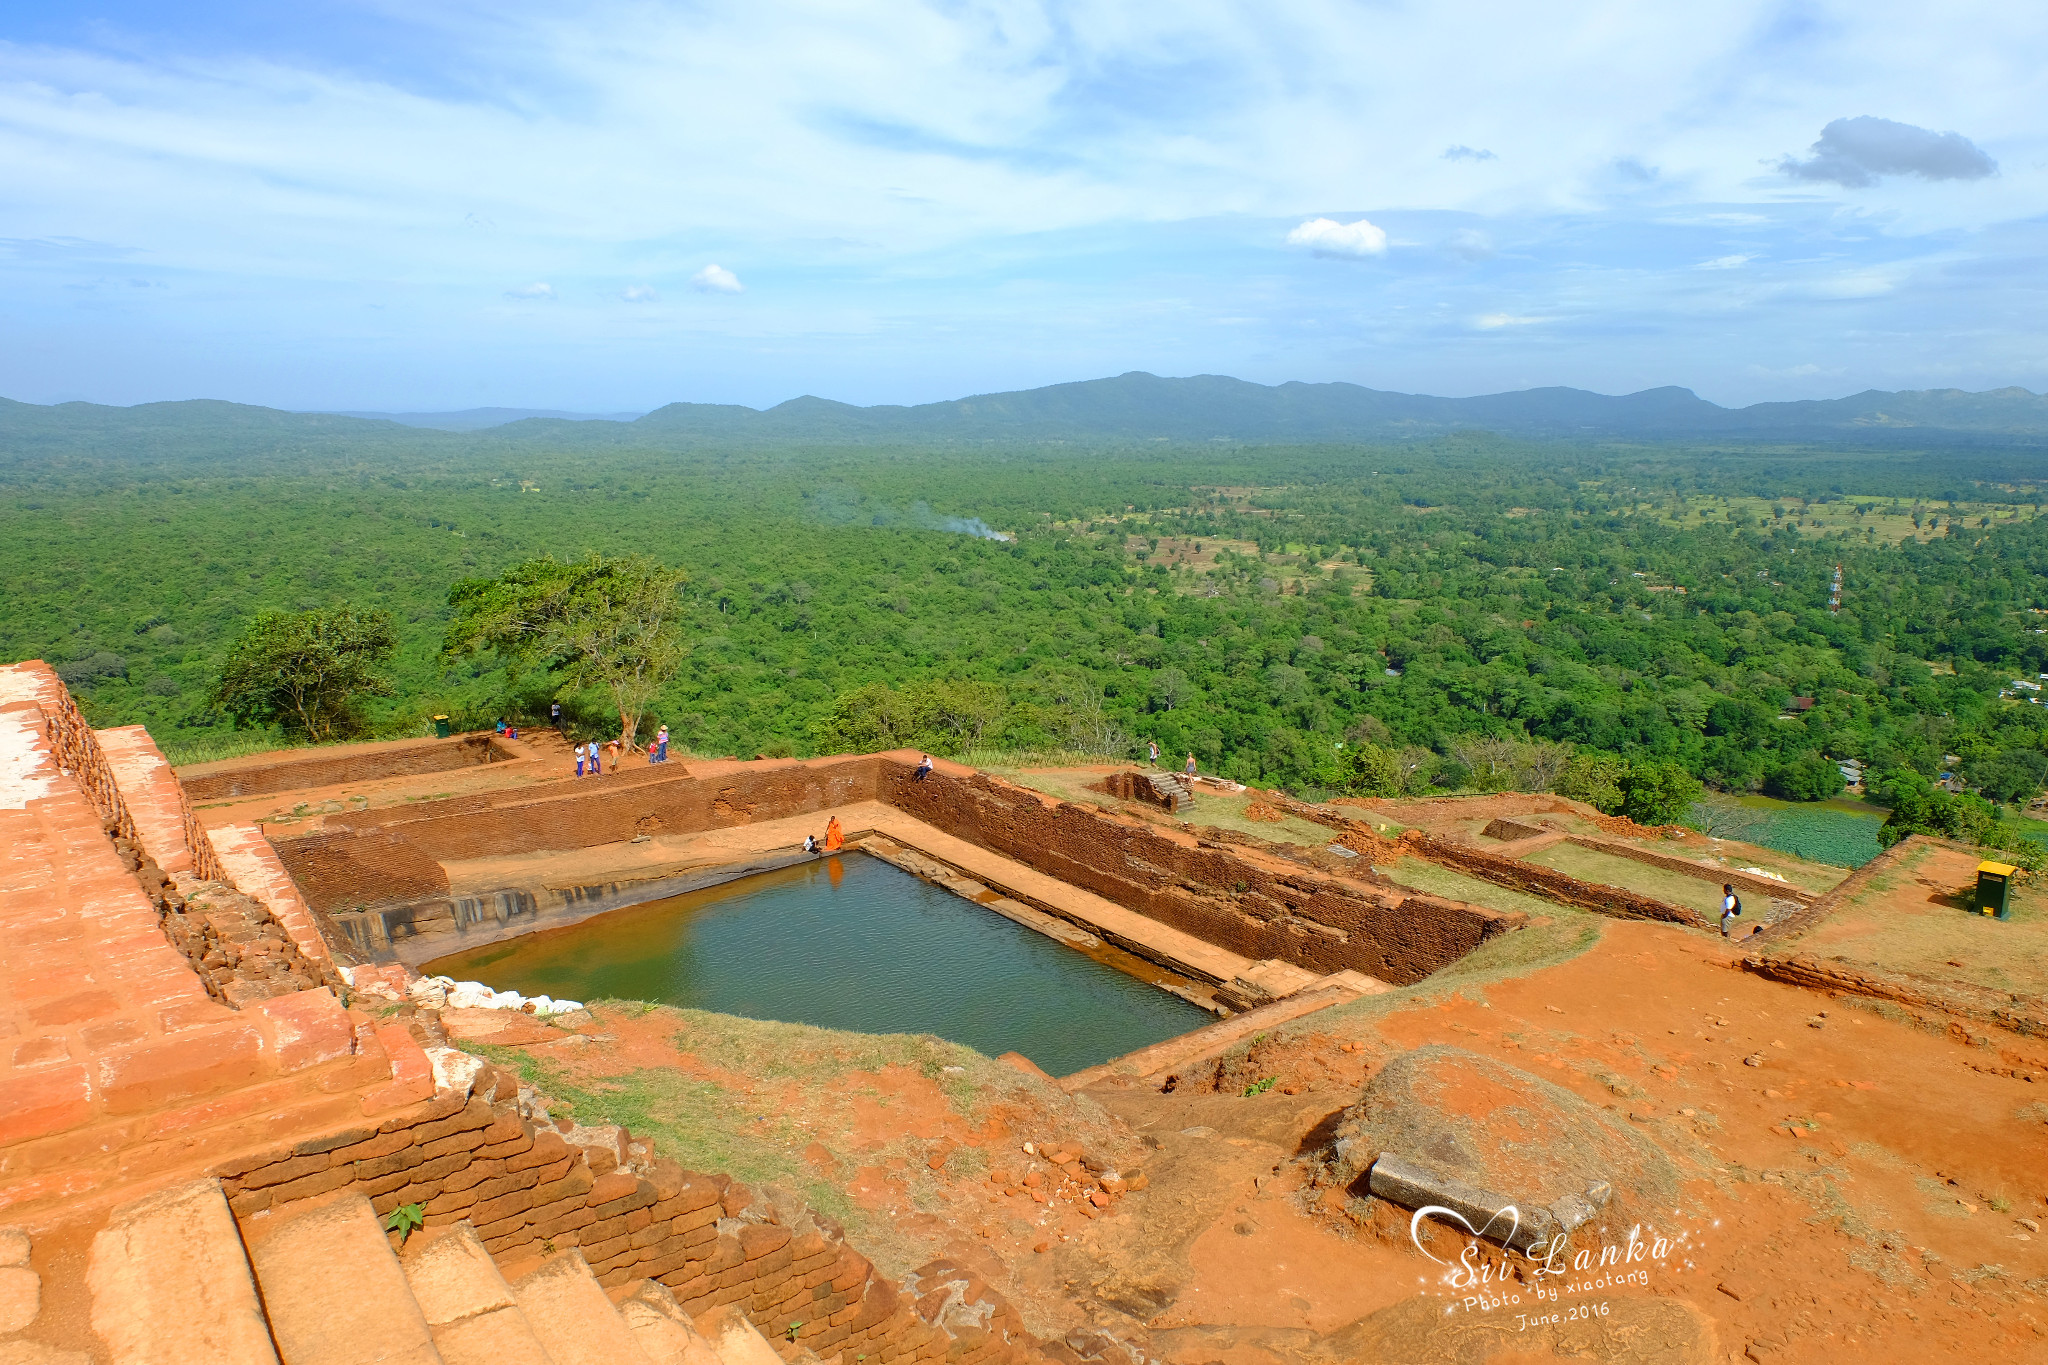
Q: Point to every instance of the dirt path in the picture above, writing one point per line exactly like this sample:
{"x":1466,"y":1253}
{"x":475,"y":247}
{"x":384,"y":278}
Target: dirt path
{"x":1857,"y":1195}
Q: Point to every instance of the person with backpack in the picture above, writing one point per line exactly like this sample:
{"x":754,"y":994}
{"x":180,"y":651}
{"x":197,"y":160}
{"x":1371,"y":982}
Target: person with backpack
{"x":1731,"y":907}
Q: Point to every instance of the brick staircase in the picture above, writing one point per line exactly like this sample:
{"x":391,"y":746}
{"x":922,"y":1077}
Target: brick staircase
{"x":196,"y":1157}
{"x":1172,"y":791}
{"x":173,"y":1280}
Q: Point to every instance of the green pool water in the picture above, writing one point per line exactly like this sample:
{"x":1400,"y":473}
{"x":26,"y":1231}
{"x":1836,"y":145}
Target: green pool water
{"x":1843,"y":834}
{"x":846,"y":943}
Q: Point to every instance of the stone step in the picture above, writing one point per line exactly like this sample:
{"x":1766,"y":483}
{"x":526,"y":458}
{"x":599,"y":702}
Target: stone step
{"x":572,"y":1316}
{"x":170,"y":1283}
{"x":737,"y":1341}
{"x":469,"y":1308}
{"x":661,"y":1327}
{"x":335,"y":1292}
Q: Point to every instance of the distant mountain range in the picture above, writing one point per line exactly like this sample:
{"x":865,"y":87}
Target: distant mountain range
{"x":478,"y":419}
{"x":1128,"y":408}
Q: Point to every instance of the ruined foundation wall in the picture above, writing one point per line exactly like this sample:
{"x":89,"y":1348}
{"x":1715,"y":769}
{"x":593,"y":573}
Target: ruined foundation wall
{"x":375,"y":880}
{"x":1548,"y":883}
{"x":529,"y":1189}
{"x":1248,"y":905}
{"x":324,"y":768}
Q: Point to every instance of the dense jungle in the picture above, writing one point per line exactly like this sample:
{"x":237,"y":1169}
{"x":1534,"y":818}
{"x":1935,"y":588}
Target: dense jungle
{"x":1464,"y":603}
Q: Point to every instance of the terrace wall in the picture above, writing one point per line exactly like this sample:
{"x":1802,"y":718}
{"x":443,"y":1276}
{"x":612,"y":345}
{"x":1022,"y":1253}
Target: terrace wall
{"x":530,"y":1189}
{"x":361,"y":763}
{"x":1256,"y":906}
{"x":376,"y":874}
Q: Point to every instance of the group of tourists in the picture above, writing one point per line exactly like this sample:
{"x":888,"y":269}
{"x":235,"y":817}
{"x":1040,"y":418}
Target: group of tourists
{"x":593,"y":760}
{"x":1152,"y":747}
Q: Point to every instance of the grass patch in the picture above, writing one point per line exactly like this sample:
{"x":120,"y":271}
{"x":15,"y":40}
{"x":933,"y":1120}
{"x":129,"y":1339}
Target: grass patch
{"x":1514,"y":954}
{"x":1606,"y":869}
{"x":1434,"y":879}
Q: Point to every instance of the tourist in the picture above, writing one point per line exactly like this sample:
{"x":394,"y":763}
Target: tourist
{"x":811,"y":844}
{"x":596,"y":768}
{"x":611,"y":749}
{"x":501,"y":727}
{"x":1191,"y":765}
{"x":579,"y":760}
{"x":555,"y":717}
{"x":1152,"y":748}
{"x":1731,"y":906}
{"x":835,"y":837}
{"x":661,"y":746}
{"x":924,"y":769}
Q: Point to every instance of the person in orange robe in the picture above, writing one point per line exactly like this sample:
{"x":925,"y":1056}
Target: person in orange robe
{"x":835,"y":837}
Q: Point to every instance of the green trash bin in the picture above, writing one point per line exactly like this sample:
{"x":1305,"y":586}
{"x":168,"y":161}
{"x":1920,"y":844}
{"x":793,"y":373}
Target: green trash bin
{"x":1994,"y":889}
{"x":441,"y":726}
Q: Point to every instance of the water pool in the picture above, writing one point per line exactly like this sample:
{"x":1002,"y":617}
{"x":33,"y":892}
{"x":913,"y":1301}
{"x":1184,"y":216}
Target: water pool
{"x":846,"y":943}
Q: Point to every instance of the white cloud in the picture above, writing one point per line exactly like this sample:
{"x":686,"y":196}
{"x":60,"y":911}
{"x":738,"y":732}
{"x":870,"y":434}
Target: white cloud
{"x":1328,"y":237}
{"x":640,"y":293}
{"x":536,"y":290}
{"x":1726,"y":262}
{"x":716,"y":279}
{"x":1489,"y":322}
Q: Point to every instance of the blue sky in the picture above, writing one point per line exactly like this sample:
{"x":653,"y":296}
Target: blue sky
{"x":609,"y":207}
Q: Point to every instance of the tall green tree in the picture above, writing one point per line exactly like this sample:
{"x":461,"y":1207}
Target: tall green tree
{"x":304,"y":670}
{"x":613,"y":624}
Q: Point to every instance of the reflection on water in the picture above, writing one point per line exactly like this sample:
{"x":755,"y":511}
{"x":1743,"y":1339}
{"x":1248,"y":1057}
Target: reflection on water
{"x":847,"y":943}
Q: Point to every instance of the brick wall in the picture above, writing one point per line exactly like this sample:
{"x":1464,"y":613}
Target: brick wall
{"x":1255,"y":906}
{"x":1547,"y":882}
{"x":358,"y":763}
{"x":531,"y":1189}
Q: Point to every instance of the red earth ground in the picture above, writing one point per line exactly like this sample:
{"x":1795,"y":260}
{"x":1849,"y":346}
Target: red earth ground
{"x":1864,"y":1192}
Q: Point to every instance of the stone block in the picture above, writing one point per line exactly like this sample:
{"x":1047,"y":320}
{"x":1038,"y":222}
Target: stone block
{"x":473,"y":1116}
{"x":282,"y":1172}
{"x":547,"y":1149}
{"x":453,"y":1142}
{"x":162,"y":1071}
{"x":306,"y":1028}
{"x":305,"y":1187}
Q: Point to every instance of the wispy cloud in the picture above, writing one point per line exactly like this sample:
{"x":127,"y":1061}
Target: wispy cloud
{"x":639,"y":293}
{"x":1328,"y":237}
{"x":716,"y":279}
{"x":1727,"y":262}
{"x":1493,"y":322}
{"x":1470,"y":244}
{"x":536,"y":290}
{"x":951,"y":198}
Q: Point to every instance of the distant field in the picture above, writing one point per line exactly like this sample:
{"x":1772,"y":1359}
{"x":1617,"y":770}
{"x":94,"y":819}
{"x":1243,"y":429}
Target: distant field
{"x":1867,"y":518}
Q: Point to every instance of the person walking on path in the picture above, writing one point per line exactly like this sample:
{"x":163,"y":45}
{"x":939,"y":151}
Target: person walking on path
{"x":611,"y":750}
{"x":661,"y":746}
{"x":555,"y":717}
{"x":835,"y":837}
{"x":1731,"y":907}
{"x":596,"y":763}
{"x":1152,"y":747}
{"x":1191,"y":765}
{"x":579,"y":760}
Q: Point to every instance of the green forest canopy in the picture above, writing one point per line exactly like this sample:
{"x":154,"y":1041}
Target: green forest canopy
{"x":1415,"y":596}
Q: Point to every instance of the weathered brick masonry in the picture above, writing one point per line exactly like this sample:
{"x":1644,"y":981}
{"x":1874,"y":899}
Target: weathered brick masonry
{"x":360,"y":763}
{"x":1257,"y":907}
{"x":1548,"y":882}
{"x":530,"y":1189}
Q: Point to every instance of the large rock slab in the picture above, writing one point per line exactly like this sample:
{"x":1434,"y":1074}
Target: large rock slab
{"x":1452,"y":1124}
